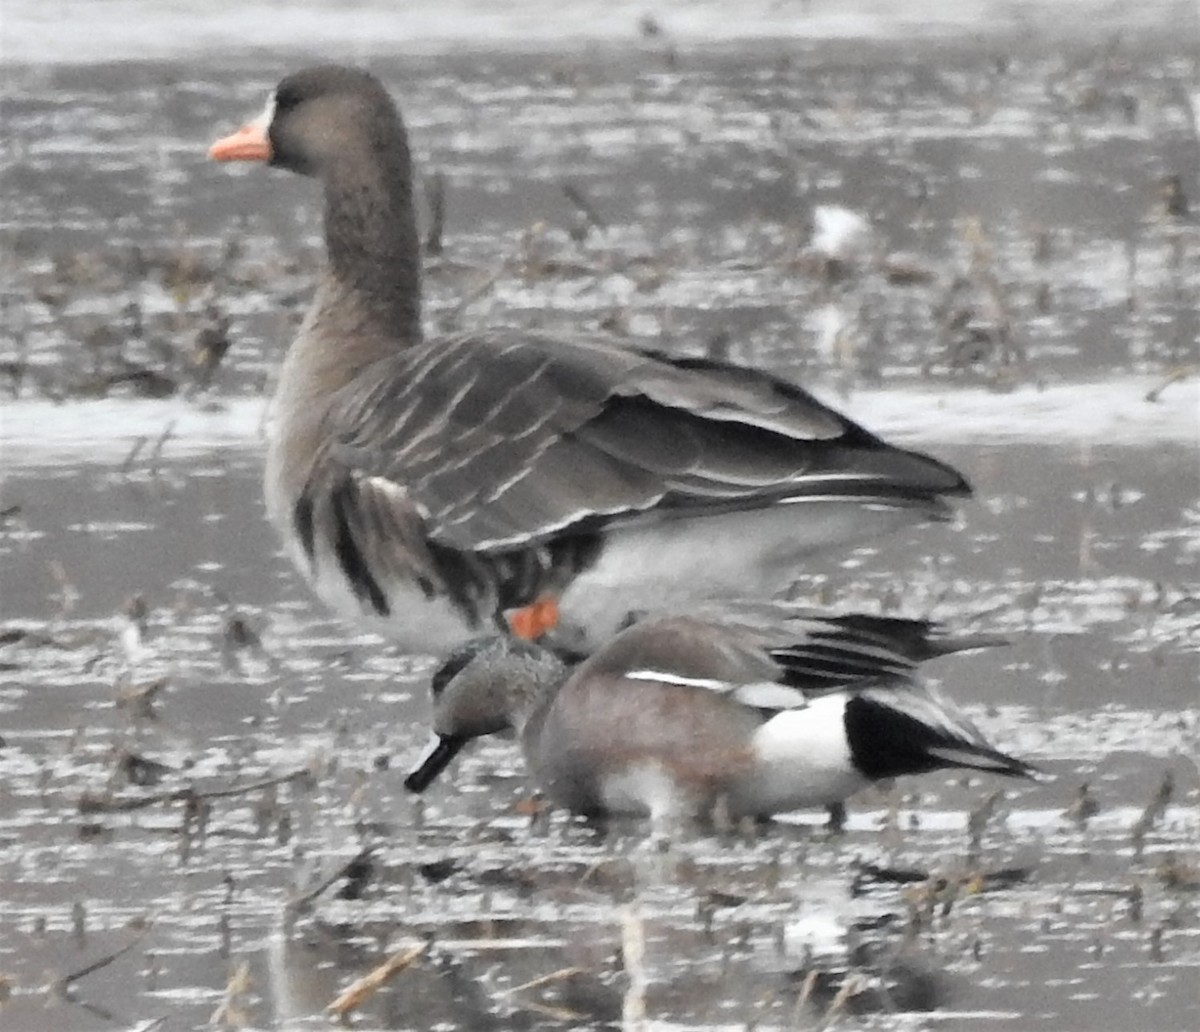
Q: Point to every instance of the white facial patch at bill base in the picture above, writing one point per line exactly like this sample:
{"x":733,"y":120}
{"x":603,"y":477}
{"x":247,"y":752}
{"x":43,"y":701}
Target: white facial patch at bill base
{"x":268,"y":113}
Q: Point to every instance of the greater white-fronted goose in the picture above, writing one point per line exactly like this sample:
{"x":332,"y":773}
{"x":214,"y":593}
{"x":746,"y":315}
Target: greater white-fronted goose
{"x":677,"y":715}
{"x":436,"y":485}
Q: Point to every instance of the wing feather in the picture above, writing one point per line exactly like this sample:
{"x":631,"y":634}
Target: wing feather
{"x":505,"y":439}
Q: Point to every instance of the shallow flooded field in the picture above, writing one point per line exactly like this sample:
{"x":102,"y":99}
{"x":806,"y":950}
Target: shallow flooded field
{"x":201,"y":810}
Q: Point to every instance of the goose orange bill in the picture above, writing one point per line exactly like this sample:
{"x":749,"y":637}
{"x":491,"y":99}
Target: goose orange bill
{"x":249,"y":143}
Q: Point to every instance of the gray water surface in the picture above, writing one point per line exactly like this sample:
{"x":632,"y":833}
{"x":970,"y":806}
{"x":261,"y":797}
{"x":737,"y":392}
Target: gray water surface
{"x":1026,"y":311}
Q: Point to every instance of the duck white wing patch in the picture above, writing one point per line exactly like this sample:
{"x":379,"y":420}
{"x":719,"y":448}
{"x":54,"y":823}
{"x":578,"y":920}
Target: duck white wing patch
{"x":764,"y":695}
{"x":670,"y":677}
{"x":769,"y":695}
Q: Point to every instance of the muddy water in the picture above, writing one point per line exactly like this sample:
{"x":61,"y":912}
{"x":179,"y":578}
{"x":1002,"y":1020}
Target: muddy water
{"x":190,"y":748}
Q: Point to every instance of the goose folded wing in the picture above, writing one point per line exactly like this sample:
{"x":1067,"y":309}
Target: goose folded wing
{"x":506,"y":439}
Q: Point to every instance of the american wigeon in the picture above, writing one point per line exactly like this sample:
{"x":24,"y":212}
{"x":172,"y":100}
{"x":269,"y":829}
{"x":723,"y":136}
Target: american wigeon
{"x":433,"y":486}
{"x":677,"y":715}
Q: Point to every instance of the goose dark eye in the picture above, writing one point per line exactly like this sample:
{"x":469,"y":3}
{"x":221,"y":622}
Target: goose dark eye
{"x":286,"y":98}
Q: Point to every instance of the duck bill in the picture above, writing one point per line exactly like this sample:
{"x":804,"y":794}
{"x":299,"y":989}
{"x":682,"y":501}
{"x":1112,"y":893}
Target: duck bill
{"x":435,"y":759}
{"x":250,"y":143}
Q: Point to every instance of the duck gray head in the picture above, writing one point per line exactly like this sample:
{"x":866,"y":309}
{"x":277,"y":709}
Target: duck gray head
{"x":489,"y":685}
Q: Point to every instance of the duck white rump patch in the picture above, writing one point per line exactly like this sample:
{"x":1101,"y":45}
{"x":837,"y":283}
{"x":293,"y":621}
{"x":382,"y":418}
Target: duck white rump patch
{"x":802,"y":758}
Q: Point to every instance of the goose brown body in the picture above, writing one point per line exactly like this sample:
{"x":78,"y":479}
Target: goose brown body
{"x":433,"y":485}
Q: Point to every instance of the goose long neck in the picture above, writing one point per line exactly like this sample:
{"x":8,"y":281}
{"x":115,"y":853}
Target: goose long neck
{"x":371,"y":236}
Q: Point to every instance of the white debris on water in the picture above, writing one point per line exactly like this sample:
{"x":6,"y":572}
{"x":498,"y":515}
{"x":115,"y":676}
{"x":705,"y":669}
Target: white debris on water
{"x":840,"y":234}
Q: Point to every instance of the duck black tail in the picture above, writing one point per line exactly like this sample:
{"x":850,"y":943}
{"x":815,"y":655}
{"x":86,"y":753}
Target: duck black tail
{"x":896,"y":729}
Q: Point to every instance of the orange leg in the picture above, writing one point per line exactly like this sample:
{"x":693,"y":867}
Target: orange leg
{"x":532,"y":621}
